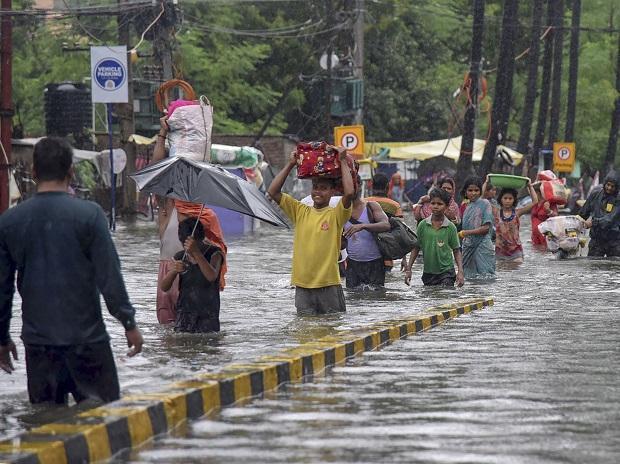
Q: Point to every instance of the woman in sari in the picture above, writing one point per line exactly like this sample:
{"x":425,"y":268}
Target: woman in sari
{"x":422,"y":209}
{"x":478,"y":219}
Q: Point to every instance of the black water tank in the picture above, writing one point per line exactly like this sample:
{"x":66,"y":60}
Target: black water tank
{"x":68,"y":108}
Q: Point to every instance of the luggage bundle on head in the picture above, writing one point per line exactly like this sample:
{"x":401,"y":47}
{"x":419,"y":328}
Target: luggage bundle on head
{"x":319,"y":159}
{"x":190,"y":121}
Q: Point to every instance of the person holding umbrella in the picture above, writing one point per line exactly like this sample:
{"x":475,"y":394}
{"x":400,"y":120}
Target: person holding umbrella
{"x":171,"y":213}
{"x":316,"y":245}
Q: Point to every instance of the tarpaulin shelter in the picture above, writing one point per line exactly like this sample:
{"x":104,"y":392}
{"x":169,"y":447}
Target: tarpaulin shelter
{"x":450,"y":148}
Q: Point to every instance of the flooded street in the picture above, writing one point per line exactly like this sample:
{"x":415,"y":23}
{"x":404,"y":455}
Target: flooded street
{"x":533,"y":379}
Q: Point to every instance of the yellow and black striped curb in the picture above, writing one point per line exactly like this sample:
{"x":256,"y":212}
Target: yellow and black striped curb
{"x":98,"y":434}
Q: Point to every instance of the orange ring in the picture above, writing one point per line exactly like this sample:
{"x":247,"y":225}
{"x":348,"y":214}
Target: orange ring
{"x":162,"y":98}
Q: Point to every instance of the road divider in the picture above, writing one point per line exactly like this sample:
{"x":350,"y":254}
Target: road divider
{"x":99,"y":434}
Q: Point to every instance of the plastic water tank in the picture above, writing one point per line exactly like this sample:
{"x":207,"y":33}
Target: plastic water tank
{"x":68,"y":108}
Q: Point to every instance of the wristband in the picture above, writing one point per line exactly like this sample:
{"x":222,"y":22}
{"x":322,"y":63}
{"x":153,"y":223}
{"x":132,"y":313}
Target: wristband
{"x":162,"y":136}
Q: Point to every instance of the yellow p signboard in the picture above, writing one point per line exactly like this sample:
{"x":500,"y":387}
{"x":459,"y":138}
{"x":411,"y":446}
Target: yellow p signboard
{"x":564,"y":156}
{"x":351,"y":138}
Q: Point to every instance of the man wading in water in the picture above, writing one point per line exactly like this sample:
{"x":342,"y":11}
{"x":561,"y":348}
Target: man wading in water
{"x":64,"y":256}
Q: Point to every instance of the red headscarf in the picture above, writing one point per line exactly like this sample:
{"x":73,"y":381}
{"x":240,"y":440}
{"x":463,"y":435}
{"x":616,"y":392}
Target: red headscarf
{"x":211,"y":224}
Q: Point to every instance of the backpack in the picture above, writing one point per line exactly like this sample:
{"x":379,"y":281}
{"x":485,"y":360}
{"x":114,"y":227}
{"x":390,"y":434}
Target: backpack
{"x":396,"y":242}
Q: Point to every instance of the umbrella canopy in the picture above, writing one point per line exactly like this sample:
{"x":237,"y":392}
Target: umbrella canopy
{"x":196,"y":182}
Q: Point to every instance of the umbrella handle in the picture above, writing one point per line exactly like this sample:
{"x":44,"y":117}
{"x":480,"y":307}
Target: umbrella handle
{"x":202,"y":207}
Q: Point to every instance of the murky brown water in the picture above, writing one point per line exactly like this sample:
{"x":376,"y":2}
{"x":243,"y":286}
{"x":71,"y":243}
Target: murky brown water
{"x":535,"y":379}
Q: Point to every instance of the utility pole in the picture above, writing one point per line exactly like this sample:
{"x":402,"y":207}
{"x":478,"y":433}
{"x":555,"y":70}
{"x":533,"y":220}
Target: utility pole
{"x":163,"y":40}
{"x":124,"y":112}
{"x":328,"y":84}
{"x":464,"y":164}
{"x":358,"y":51}
{"x":6,"y":105}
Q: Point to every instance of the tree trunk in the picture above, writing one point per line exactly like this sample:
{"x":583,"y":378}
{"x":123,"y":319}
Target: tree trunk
{"x":532,"y":77}
{"x":556,"y":85}
{"x":573,"y":69}
{"x":612,"y":144}
{"x":503,"y":86}
{"x":543,"y":105}
{"x":464,"y":164}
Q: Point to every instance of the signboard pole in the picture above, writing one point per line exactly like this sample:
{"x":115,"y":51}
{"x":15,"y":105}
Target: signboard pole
{"x":112,"y":175}
{"x":108,"y":69}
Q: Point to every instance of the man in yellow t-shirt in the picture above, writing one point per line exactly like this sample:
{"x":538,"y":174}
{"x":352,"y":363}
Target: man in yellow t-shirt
{"x":316,"y":242}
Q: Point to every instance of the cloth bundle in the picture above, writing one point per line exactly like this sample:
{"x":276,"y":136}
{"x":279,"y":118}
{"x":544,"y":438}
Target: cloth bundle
{"x":319,"y":159}
{"x":190,"y":125}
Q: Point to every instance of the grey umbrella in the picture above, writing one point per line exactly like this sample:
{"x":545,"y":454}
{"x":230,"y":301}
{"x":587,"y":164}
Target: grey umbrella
{"x":202,"y":183}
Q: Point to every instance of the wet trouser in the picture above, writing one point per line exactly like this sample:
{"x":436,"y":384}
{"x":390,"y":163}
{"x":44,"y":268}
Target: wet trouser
{"x":600,"y":248}
{"x":317,"y":301}
{"x":365,"y":272}
{"x":86,"y":371}
{"x":445,"y":279}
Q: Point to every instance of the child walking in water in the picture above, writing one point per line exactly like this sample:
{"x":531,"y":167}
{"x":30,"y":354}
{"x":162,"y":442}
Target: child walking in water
{"x":438,"y":241}
{"x":507,"y":224}
{"x":198,"y":306}
{"x":478,"y":250}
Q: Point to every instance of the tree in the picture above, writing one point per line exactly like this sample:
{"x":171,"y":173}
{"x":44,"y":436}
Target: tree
{"x":503,"y":86}
{"x":464,"y":164}
{"x":532,"y":77}
{"x":573,"y":72}
{"x":612,"y":144}
{"x":543,"y":106}
{"x":556,"y":85}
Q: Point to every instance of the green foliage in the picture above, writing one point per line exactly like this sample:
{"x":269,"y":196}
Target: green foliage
{"x":416,"y":54}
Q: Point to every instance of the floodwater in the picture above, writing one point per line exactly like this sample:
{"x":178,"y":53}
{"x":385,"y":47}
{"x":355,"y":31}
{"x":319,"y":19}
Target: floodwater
{"x":533,"y":379}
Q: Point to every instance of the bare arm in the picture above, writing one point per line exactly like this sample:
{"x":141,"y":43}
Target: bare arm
{"x":210,"y":269}
{"x":380,"y":222}
{"x":347,"y":179}
{"x":460,"y":275}
{"x":484,"y":186}
{"x":482,"y":230}
{"x":159,"y":152}
{"x":172,"y":274}
{"x":412,"y":258}
{"x":534,"y":196}
{"x":275,"y":187}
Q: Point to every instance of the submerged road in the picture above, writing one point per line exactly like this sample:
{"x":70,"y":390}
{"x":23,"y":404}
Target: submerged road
{"x":534,"y":379}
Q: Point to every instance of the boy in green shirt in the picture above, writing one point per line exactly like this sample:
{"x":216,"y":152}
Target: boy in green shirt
{"x":439,"y":242}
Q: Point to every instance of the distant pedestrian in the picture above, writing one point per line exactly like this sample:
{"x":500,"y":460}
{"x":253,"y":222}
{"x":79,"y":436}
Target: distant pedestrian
{"x":541,"y":211}
{"x":316,"y":243}
{"x":478,"y":220}
{"x":396,"y":188}
{"x":422,"y":209}
{"x":198,"y":270}
{"x":380,"y":185}
{"x":602,"y":214}
{"x":439,"y":243}
{"x":64,"y":257}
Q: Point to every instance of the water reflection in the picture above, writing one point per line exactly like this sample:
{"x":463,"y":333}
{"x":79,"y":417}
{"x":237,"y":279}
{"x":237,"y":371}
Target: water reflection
{"x":486,"y":388}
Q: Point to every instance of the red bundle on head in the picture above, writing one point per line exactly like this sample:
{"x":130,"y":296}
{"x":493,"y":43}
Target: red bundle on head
{"x":554,"y":191}
{"x":319,"y":159}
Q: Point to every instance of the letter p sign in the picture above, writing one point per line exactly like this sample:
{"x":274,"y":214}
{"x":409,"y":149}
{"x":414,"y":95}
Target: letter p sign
{"x":351,"y":138}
